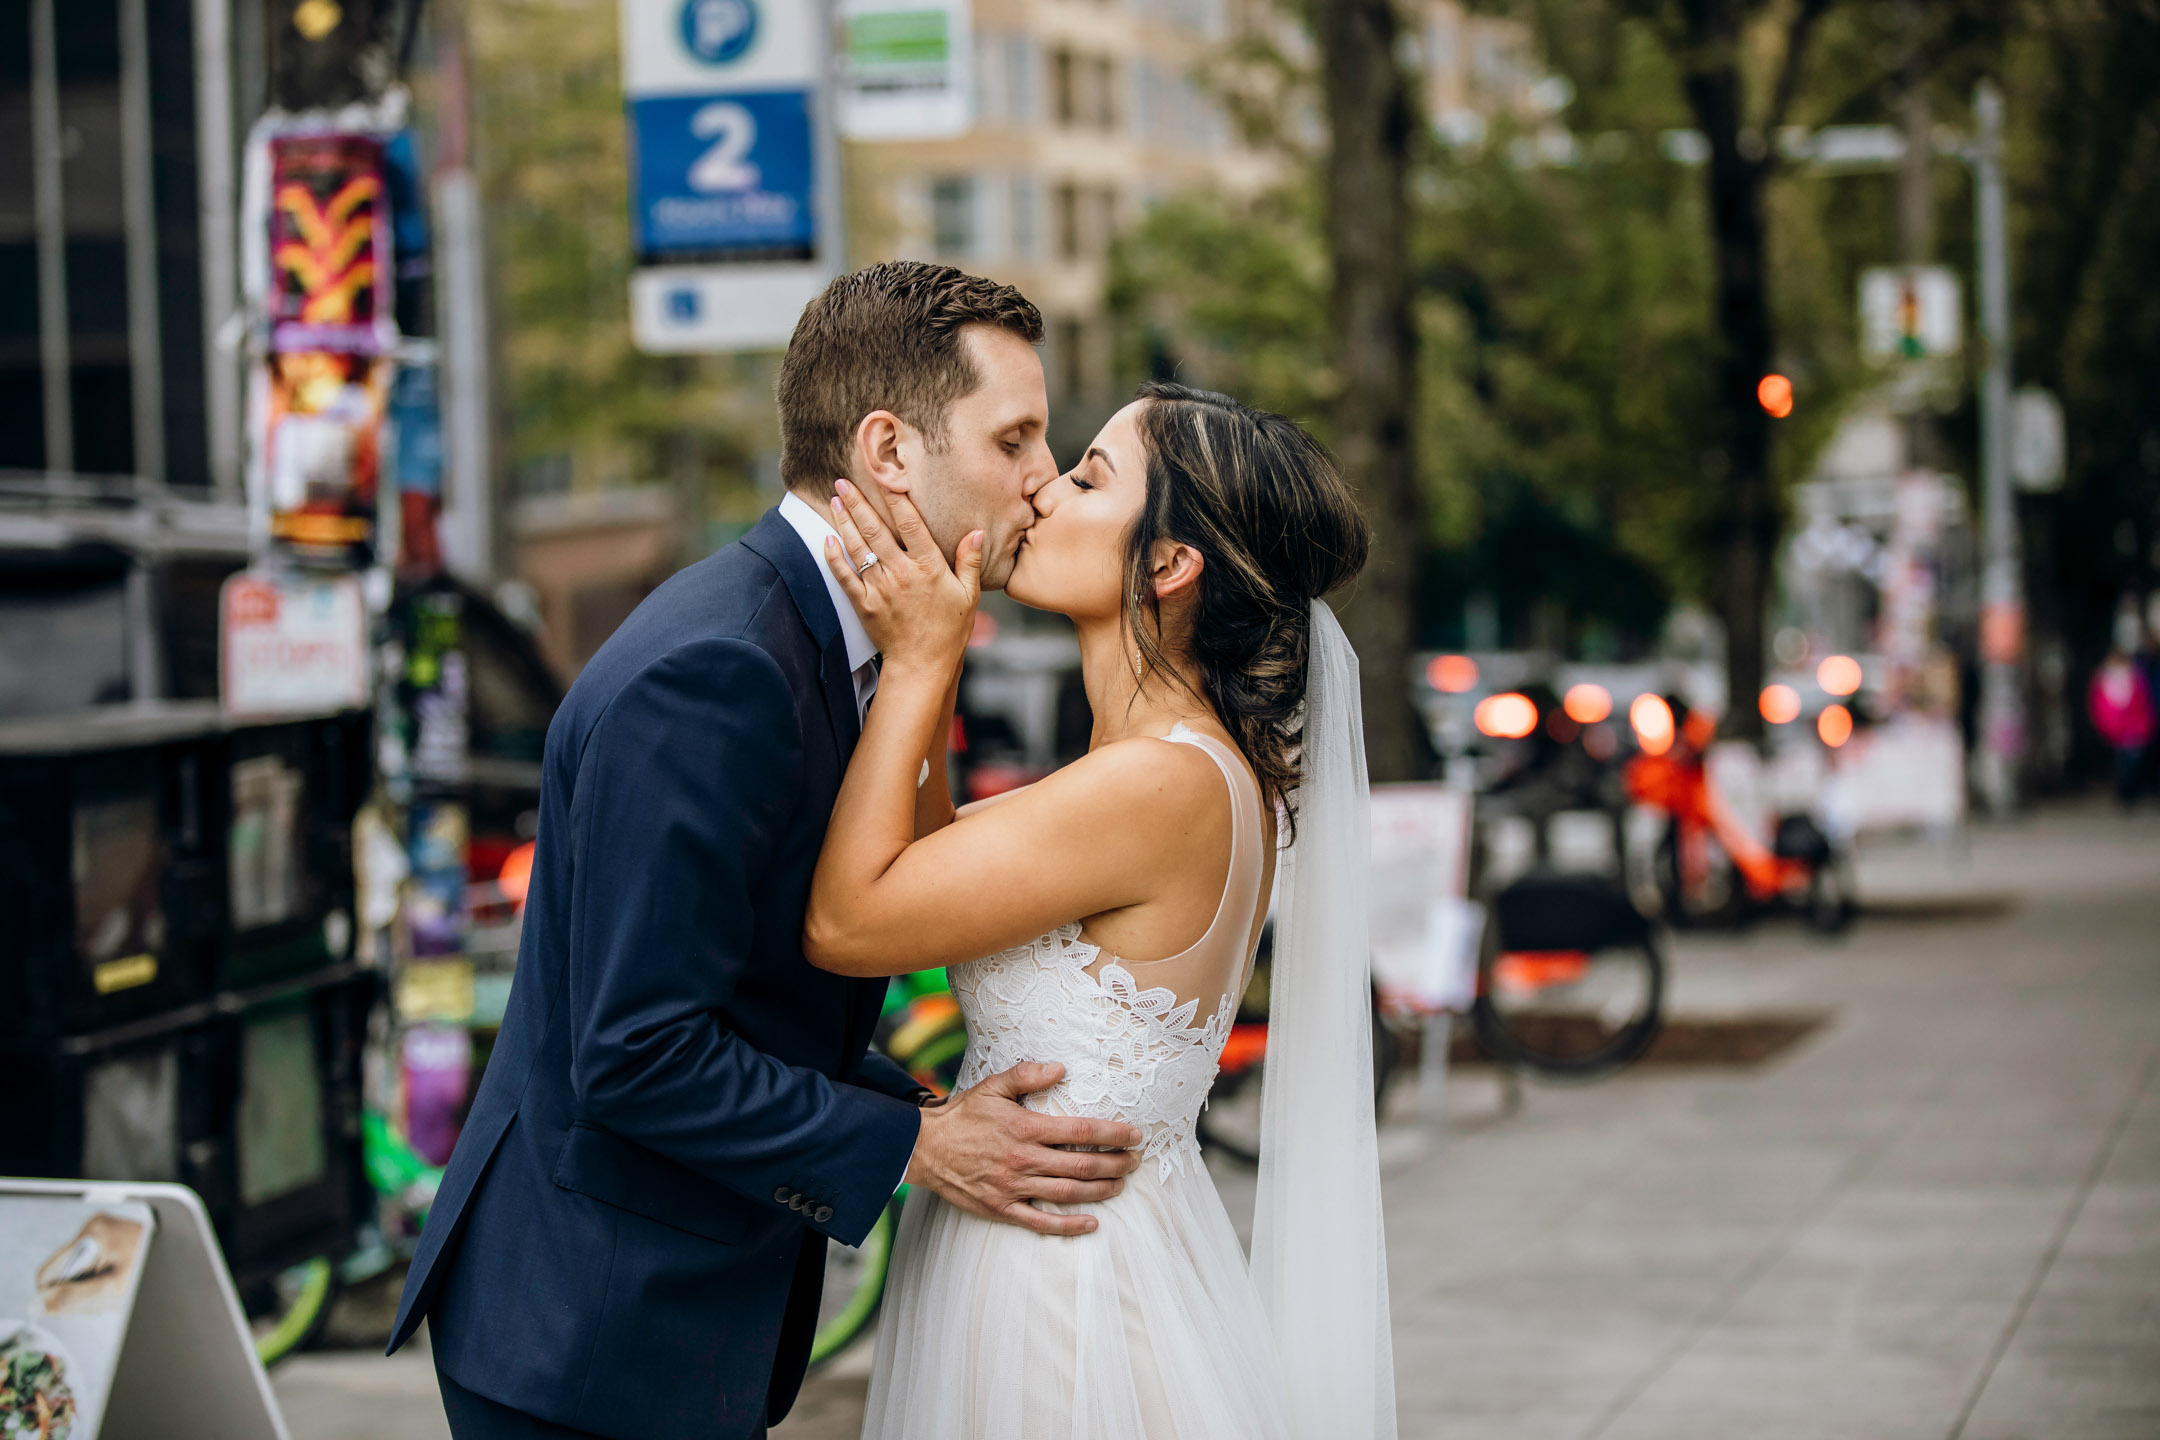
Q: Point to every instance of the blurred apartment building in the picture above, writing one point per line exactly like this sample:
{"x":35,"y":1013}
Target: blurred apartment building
{"x":1085,"y":112}
{"x":1088,"y":111}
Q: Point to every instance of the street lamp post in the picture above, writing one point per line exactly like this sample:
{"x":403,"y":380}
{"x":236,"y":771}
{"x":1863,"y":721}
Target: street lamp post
{"x":2002,"y":597}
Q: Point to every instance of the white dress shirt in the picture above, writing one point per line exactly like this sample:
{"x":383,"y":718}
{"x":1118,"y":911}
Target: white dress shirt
{"x":813,"y":527}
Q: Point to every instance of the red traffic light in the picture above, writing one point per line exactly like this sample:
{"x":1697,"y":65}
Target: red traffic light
{"x":1775,"y":393}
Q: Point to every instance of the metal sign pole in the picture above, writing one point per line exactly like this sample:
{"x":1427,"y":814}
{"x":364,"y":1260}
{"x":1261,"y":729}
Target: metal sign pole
{"x":2002,"y":616}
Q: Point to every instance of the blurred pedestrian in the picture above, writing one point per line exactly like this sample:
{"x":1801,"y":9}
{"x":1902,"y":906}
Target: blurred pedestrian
{"x":2120,"y":702}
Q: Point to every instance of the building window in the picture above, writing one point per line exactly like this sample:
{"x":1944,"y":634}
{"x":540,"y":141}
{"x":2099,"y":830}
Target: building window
{"x":1026,"y":218}
{"x":1020,"y":107}
{"x":1063,"y":82}
{"x":1065,"y":202}
{"x":1070,"y":358}
{"x":952,"y":216}
{"x":1105,"y":220}
{"x":1103,"y":82}
{"x":101,"y":354}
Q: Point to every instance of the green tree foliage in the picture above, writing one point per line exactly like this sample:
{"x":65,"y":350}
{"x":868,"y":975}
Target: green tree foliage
{"x":2083,"y":93}
{"x":551,"y":143}
{"x":1230,"y":296}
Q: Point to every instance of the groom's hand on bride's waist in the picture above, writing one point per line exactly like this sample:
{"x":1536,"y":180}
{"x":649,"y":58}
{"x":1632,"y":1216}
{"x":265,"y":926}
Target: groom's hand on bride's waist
{"x":985,"y":1152}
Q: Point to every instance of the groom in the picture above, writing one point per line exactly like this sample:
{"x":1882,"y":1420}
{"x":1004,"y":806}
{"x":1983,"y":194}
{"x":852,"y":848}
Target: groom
{"x":630,"y":1239}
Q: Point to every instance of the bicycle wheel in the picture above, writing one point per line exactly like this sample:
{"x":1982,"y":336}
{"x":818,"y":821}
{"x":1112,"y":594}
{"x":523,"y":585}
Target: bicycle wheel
{"x":287,"y":1312}
{"x":1571,"y":1013}
{"x":854,"y":1286}
{"x":1830,"y":900}
{"x":1720,"y":901}
{"x":1231,"y":1120}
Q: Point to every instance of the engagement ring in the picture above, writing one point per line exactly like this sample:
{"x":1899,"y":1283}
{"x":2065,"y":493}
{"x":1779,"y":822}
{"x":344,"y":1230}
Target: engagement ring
{"x":868,"y":561}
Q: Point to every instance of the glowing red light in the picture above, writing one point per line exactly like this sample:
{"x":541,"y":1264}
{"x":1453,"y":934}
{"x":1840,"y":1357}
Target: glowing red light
{"x":1838,"y":674}
{"x":1451,"y":674}
{"x":1587,"y":704}
{"x":1506,"y":717}
{"x":1834,"y":725}
{"x":1780,"y":704}
{"x":1776,"y":394}
{"x":1651,"y":720}
{"x":516,"y":878}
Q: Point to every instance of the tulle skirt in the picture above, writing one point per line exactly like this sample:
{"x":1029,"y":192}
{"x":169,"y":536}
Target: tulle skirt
{"x":1148,"y":1329}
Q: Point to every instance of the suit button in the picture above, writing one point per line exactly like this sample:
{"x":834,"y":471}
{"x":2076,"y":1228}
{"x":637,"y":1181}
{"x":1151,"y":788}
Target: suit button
{"x":781,"y":1195}
{"x":798,"y":1203}
{"x":822,"y":1214}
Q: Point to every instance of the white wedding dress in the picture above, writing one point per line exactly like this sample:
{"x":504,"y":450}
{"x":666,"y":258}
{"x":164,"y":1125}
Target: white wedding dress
{"x":1151,"y":1328}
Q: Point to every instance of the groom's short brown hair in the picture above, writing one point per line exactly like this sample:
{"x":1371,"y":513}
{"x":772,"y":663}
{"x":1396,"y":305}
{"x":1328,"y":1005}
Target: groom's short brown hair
{"x":885,"y":338}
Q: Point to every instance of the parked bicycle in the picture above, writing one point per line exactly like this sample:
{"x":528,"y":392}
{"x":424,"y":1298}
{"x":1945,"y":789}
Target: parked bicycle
{"x":1571,"y":977}
{"x":1708,"y":868}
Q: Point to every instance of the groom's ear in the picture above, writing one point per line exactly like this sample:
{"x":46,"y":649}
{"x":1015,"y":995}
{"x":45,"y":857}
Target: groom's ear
{"x":885,"y":450}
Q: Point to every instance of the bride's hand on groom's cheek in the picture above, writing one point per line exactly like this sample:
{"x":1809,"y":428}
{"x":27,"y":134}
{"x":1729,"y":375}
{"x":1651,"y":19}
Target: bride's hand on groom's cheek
{"x":918,"y":609}
{"x":988,"y":1154}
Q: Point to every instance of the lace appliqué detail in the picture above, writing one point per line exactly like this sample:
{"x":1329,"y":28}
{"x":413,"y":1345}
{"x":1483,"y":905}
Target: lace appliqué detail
{"x":1129,"y":1053}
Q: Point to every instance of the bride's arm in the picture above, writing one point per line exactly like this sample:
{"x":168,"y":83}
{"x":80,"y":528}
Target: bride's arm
{"x":933,"y":796}
{"x":1096,"y":836}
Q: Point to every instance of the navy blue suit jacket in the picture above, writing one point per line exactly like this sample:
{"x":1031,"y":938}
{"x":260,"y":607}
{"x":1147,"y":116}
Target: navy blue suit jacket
{"x":630,"y":1237}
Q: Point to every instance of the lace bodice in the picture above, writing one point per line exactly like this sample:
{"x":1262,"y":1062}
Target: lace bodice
{"x":1131,"y":1052}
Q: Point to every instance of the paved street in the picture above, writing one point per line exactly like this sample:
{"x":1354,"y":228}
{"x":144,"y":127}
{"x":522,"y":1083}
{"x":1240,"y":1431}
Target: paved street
{"x":1937,"y":1215}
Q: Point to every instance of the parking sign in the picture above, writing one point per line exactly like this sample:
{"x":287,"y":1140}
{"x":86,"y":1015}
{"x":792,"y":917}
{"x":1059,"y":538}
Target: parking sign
{"x":733,"y":211}
{"x":718,"y":175}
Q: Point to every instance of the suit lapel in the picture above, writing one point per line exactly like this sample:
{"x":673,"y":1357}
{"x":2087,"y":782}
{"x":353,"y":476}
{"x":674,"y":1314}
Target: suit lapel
{"x":774,"y":539}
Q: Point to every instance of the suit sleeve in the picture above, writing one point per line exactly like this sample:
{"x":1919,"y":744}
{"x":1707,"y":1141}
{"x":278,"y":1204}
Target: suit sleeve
{"x":880,"y":1072}
{"x":683,"y":789}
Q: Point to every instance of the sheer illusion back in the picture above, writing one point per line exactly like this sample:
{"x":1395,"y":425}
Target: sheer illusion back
{"x":1150,"y":1328}
{"x":1139,"y":1038}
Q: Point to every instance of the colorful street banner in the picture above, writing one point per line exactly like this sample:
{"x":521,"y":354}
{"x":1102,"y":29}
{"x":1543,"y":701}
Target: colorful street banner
{"x":332,"y":279}
{"x":317,"y":452}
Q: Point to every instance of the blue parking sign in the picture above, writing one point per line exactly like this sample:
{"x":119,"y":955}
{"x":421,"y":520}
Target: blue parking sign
{"x":723,"y":173}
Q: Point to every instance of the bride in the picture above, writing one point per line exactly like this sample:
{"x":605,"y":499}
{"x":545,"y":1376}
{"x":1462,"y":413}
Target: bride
{"x":1105,"y":918}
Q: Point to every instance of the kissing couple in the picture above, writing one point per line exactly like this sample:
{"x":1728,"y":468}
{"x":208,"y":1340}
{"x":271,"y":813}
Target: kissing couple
{"x":745,"y":828}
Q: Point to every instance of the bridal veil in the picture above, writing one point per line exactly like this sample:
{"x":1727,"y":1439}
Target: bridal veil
{"x":1319,"y":1255}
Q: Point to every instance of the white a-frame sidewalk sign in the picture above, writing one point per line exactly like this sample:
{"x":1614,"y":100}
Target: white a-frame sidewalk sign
{"x":734,"y":193}
{"x":118,"y":1320}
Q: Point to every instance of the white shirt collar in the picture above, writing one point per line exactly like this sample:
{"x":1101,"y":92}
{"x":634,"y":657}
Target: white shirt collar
{"x":813,"y":527}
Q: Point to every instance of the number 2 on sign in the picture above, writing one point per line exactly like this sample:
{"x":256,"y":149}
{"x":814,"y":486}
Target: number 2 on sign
{"x":733,"y":132}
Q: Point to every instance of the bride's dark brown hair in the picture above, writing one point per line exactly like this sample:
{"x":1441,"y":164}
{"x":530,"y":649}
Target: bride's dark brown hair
{"x":1277,"y":528}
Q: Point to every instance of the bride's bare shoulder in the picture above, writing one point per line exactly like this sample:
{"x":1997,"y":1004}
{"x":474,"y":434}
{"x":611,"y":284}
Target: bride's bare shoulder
{"x":1142,"y":788}
{"x":1141,"y":773}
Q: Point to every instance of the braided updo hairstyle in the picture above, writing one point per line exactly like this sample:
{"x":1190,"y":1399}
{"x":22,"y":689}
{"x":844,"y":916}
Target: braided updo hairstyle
{"x":1278,"y":528}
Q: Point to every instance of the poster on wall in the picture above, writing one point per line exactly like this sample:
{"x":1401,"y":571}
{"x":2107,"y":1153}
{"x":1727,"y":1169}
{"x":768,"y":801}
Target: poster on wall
{"x":332,"y":275}
{"x":318,"y":451}
{"x":321,"y":278}
{"x":69,"y":1272}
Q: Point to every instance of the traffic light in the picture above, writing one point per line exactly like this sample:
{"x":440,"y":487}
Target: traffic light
{"x":1776,"y":394}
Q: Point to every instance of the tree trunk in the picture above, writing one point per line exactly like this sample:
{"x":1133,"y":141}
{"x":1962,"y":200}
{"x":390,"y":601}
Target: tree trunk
{"x":1371,"y":118}
{"x":1747,"y":515}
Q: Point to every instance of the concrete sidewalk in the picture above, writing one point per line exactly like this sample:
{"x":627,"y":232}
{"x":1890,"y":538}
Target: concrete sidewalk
{"x":1937,"y":1216}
